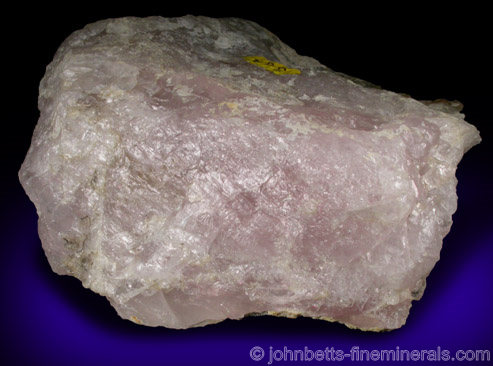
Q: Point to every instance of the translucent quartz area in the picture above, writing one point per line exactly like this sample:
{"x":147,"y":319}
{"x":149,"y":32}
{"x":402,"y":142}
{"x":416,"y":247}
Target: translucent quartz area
{"x":189,"y":182}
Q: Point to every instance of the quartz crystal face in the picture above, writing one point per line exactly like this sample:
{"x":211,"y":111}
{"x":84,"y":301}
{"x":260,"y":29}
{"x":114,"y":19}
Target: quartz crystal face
{"x":195,"y":169}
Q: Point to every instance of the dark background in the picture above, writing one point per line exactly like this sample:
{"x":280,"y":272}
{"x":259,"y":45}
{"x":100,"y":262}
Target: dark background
{"x":426,"y":52}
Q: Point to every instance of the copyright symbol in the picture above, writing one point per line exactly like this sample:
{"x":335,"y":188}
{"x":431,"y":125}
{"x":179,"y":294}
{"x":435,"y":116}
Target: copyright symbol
{"x":257,"y":353}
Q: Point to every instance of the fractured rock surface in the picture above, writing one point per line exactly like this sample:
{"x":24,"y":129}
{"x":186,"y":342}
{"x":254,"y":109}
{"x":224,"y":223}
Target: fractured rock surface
{"x":196,"y":169}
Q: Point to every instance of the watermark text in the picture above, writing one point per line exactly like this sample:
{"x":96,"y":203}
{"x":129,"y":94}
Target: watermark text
{"x":271,"y":355}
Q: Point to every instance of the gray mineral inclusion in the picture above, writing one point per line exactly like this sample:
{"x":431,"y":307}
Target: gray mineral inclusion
{"x":195,"y":169}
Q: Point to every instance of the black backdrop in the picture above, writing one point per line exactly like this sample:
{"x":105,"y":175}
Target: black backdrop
{"x":426,"y":52}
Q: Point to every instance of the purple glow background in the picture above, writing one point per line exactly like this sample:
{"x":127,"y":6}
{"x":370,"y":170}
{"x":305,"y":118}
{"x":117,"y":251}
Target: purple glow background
{"x":52,"y":320}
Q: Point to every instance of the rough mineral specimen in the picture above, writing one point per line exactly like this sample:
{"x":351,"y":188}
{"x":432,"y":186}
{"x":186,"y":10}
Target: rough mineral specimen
{"x":196,"y":169}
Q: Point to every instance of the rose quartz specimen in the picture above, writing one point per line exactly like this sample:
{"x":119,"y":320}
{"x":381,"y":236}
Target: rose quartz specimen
{"x":188,"y":184}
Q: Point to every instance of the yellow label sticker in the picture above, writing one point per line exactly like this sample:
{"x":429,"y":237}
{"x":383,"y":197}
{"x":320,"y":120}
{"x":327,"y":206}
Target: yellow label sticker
{"x":276,"y":68}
